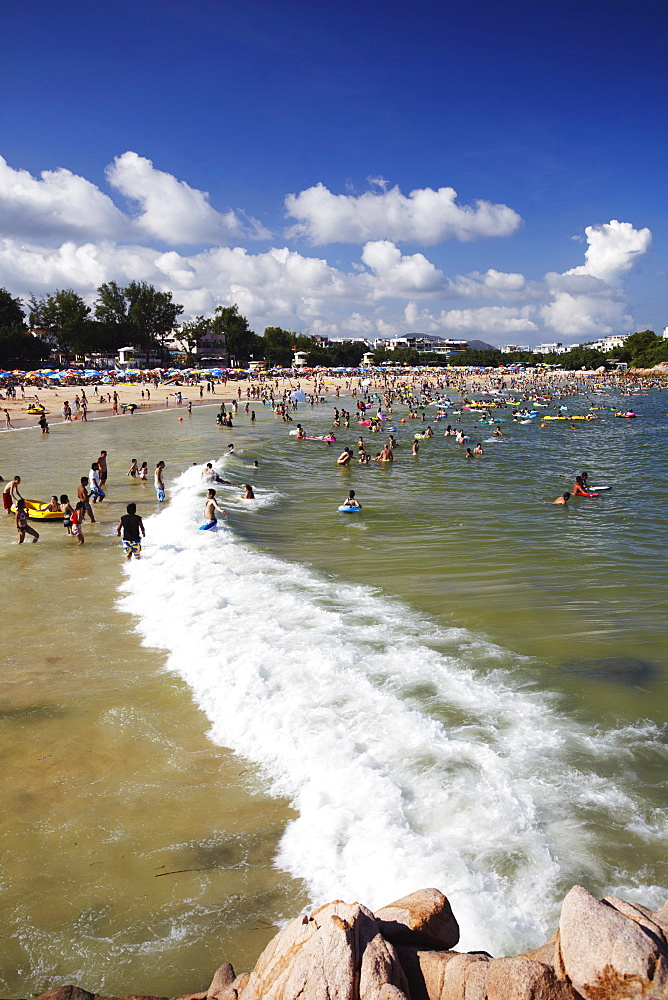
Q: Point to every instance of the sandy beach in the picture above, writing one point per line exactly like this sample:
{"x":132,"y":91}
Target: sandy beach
{"x":163,"y":397}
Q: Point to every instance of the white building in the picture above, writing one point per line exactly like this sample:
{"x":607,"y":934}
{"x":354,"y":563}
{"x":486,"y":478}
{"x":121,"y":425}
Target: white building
{"x":611,"y":343}
{"x":423,"y":343}
{"x":556,"y":348}
{"x":514,"y":348}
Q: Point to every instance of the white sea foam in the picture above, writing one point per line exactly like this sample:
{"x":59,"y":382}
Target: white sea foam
{"x":409,"y":762}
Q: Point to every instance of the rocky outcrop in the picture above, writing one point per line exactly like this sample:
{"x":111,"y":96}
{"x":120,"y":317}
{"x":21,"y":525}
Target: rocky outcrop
{"x":423,"y":919}
{"x":606,"y":949}
{"x":611,"y":949}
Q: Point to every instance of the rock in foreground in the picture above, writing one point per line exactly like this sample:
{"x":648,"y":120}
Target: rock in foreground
{"x":603,"y":950}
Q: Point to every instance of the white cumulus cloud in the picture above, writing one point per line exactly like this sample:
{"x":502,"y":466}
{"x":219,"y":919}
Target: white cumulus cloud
{"x":400,"y":275}
{"x":587,"y":301}
{"x":612,"y":250}
{"x":424,"y":216}
{"x":59,"y":230}
{"x":57,"y":205}
{"x":170,"y":209}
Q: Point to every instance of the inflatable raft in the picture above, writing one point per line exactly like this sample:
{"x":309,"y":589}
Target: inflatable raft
{"x":37,"y":511}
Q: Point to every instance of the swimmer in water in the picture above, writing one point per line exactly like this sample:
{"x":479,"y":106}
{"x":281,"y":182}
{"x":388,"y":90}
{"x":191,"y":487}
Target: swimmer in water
{"x":579,"y":491}
{"x":478,"y":449}
{"x":248,"y":492}
{"x":498,"y":432}
{"x":563,"y":499}
{"x":53,"y":505}
{"x":344,"y":457}
{"x":415,"y":447}
{"x":350,"y":500}
{"x":210,"y":508}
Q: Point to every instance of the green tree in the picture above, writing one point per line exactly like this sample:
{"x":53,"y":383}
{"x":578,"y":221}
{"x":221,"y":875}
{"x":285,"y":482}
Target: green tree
{"x":139,"y":315}
{"x":111,"y":308}
{"x":577,"y":357}
{"x":63,"y":315}
{"x":402,"y":356}
{"x":240,"y":340}
{"x":642,"y":349}
{"x":11,"y":310}
{"x":153,"y":314}
{"x":347,"y":354}
{"x":280,"y":345}
{"x":191,"y":335}
{"x":470,"y":358}
{"x":18,"y":348}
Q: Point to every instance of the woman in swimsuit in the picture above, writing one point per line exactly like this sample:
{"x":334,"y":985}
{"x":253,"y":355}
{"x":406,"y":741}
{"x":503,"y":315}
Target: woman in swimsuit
{"x":66,"y":509}
{"x":22,"y":525}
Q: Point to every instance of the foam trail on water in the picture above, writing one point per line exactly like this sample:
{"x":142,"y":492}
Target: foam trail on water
{"x":410,"y":764}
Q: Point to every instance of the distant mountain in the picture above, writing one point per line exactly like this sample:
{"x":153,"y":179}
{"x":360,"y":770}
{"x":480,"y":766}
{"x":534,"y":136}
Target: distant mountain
{"x":480,"y":345}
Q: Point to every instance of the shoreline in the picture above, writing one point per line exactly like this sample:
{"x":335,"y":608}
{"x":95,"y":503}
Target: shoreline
{"x":53,"y":397}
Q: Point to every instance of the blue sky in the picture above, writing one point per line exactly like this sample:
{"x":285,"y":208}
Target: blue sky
{"x":547,"y":119}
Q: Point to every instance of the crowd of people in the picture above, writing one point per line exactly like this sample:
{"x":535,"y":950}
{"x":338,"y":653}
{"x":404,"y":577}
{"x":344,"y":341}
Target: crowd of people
{"x":89,"y":492}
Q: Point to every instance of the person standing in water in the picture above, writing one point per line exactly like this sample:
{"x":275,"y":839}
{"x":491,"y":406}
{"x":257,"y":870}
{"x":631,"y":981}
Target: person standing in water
{"x":131,"y":525}
{"x":22,"y":525}
{"x":102,"y":467}
{"x":97,"y":494}
{"x":11,"y":494}
{"x":159,"y":481}
{"x":76,"y":520}
{"x":210,"y":508}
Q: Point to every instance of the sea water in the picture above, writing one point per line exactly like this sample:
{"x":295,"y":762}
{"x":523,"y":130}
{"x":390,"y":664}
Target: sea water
{"x":461,"y":686}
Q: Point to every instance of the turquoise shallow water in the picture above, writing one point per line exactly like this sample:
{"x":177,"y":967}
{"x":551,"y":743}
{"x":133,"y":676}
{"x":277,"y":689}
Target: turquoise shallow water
{"x":514,"y":651}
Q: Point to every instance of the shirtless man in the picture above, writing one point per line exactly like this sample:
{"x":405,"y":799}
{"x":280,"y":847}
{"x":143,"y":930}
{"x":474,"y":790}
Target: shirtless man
{"x":578,"y":490}
{"x":210,"y":508}
{"x":11,"y":494}
{"x":82,"y":494}
{"x":563,"y":499}
{"x":102,"y":466}
{"x":159,"y":481}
